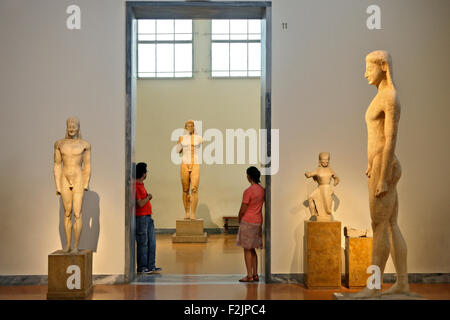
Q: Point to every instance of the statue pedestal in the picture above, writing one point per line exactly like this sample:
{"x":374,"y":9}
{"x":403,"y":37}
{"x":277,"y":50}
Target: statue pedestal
{"x":69,"y":275}
{"x":358,"y":257}
{"x":323,"y":254}
{"x":189,"y":231}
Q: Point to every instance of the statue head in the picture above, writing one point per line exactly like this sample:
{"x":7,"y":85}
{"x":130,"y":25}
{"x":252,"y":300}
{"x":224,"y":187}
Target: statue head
{"x":379,"y":68}
{"x":190,"y":126}
{"x":73,"y":128}
{"x":324,"y":159}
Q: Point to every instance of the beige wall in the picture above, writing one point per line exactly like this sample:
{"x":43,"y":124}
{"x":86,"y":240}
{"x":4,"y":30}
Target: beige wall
{"x":50,"y":73}
{"x":165,"y":105}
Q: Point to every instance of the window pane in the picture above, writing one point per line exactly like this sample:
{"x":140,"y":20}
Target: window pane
{"x":146,"y":29}
{"x":164,"y":58}
{"x":220,"y":56}
{"x":238,"y":29}
{"x":183,"y":75}
{"x":254,"y":56}
{"x":238,"y":73}
{"x":220,"y":74}
{"x":146,"y":57}
{"x":183,"y":29}
{"x":165,"y":30}
{"x":254,"y":29}
{"x":238,"y":56}
{"x":220,"y":29}
{"x":146,"y":74}
{"x":183,"y":57}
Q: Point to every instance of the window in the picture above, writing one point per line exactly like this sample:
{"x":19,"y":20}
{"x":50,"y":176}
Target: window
{"x":235,"y":48}
{"x":164,"y":48}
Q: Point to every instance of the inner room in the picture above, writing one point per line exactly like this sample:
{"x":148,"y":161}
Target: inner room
{"x":208,"y":71}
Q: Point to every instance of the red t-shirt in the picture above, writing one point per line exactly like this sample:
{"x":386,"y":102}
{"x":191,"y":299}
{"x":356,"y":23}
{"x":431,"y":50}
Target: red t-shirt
{"x":254,"y":198}
{"x":141,"y":193}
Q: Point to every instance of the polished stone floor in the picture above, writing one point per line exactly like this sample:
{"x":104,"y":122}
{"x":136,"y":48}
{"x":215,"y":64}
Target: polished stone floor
{"x":204,"y":272}
{"x":237,"y":291}
{"x":218,"y":256}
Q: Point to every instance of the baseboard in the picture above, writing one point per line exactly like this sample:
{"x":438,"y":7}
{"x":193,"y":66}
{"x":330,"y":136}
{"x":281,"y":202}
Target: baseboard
{"x":387,"y":278}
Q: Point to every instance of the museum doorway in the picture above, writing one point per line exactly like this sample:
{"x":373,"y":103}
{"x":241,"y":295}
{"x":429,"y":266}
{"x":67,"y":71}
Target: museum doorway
{"x":207,"y":62}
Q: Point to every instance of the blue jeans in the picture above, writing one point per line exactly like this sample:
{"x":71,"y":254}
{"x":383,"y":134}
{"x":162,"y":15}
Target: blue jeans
{"x":146,"y":242}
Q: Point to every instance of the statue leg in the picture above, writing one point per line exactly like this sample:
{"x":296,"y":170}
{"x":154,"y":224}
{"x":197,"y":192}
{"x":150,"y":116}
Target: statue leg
{"x":66,"y":195}
{"x":185,"y":177}
{"x":312,"y":206}
{"x":398,"y":244}
{"x":77,"y":203}
{"x":380,"y":224}
{"x":195,"y":180}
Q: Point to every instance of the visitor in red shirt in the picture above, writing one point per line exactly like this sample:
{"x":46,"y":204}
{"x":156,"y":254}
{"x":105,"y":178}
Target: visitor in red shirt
{"x":145,"y":228}
{"x":250,"y":223}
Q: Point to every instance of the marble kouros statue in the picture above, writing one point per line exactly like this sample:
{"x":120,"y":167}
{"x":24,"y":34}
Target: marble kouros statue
{"x":72,"y":170}
{"x":383,"y":172}
{"x":320,"y":200}
{"x":188,"y":146}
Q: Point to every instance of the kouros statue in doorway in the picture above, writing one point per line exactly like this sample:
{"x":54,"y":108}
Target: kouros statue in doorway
{"x":321,"y":199}
{"x":72,"y":170}
{"x":383,"y":172}
{"x":188,"y":145}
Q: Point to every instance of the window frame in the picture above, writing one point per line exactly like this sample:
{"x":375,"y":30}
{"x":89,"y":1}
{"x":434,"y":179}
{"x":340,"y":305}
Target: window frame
{"x":210,"y":76}
{"x":156,"y":56}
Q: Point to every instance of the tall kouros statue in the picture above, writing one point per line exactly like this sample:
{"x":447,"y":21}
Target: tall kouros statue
{"x":321,"y":199}
{"x":189,"y":145}
{"x":383,"y":172}
{"x":72,"y":170}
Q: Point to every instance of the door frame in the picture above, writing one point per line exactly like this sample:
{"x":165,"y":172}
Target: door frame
{"x":192,"y":10}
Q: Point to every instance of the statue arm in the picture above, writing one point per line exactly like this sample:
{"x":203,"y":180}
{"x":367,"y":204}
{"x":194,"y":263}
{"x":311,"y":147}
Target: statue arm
{"x":57,"y":168}
{"x":390,"y":133}
{"x":311,"y":174}
{"x":86,"y":167}
{"x":179,"y":146}
{"x":336,"y":179}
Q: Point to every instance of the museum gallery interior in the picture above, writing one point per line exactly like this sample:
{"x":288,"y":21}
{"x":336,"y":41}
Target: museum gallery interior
{"x":224,"y":150}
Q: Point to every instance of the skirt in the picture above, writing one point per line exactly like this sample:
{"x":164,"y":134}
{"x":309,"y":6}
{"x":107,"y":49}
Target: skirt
{"x":249,"y":235}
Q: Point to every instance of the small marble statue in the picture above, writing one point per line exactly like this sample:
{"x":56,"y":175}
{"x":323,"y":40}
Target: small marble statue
{"x":189,"y":145}
{"x":320,"y":200}
{"x":383,"y":172}
{"x":72,"y":170}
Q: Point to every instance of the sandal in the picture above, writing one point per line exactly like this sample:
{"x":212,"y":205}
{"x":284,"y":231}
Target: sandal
{"x":255,"y":278}
{"x":246,"y":279}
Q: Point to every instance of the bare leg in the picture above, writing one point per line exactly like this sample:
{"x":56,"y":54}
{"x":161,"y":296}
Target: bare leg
{"x":248,"y":262}
{"x":312,"y":206}
{"x":195,"y":180}
{"x":185,"y":177}
{"x":254,"y":263}
{"x":398,"y":254}
{"x":66,"y":195}
{"x":77,"y":201}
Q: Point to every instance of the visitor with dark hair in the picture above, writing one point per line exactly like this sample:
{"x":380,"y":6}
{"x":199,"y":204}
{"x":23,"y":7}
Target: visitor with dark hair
{"x":145,"y":228}
{"x":250,"y":224}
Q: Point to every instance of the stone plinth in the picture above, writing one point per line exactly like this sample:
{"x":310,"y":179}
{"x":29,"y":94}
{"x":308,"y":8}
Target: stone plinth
{"x":69,"y":275}
{"x":323,"y":254}
{"x":358,"y":257}
{"x":189,"y":231}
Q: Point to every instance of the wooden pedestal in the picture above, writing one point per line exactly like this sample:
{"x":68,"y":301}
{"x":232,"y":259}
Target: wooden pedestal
{"x":323,"y":254}
{"x":358,"y":257}
{"x":189,"y":231}
{"x":69,"y":275}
